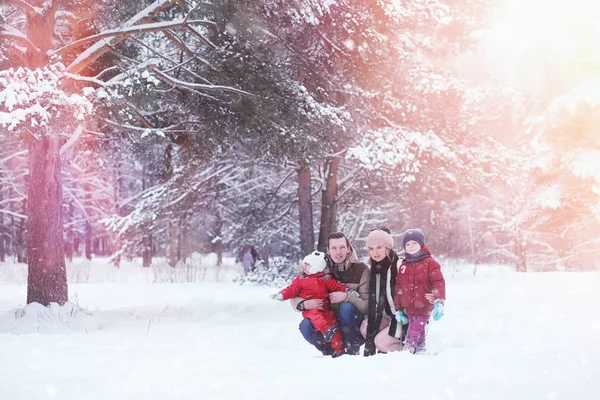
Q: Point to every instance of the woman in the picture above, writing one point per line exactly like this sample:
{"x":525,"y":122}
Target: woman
{"x":380,"y":329}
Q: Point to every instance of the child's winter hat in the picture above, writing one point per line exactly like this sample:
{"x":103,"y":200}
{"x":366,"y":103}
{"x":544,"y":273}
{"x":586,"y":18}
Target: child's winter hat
{"x":316,"y":260}
{"x":413,"y":234}
{"x":380,"y":237}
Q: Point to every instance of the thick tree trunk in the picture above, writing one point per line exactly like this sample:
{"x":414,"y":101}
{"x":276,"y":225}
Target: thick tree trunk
{"x":328,"y":202}
{"x":180,"y":237}
{"x":217,"y":240}
{"x":21,"y":241}
{"x":68,"y":221}
{"x":147,"y":238}
{"x":2,"y":246}
{"x":76,"y":243}
{"x":520,"y":253}
{"x":264,"y":256}
{"x":218,"y":243}
{"x":47,"y":278}
{"x":307,"y":236}
{"x":88,"y":240}
{"x":147,"y":251}
{"x":174,"y":243}
{"x":2,"y":231}
{"x":116,"y":260}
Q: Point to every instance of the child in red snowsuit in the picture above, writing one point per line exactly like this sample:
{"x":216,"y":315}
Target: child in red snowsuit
{"x":313,"y":283}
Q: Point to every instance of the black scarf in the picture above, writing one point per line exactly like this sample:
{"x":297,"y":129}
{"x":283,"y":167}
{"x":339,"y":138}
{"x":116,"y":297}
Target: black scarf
{"x":418,"y":256}
{"x":378,"y":305}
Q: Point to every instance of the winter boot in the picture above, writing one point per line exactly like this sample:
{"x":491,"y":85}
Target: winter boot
{"x":411,"y":348}
{"x":330,"y":333}
{"x":338,"y":353}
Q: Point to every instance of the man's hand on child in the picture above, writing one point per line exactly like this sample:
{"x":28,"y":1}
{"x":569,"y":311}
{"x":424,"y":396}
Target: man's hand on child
{"x":313,"y":304}
{"x":401,"y":317}
{"x":438,"y":309}
{"x":277,"y":296}
{"x":338,"y":297}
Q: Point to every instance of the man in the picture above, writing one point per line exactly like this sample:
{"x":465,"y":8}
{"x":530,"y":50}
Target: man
{"x":344,"y":265}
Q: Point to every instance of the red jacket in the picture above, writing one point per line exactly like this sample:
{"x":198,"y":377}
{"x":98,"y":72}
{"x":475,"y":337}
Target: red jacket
{"x":416,"y":279}
{"x":315,"y":286}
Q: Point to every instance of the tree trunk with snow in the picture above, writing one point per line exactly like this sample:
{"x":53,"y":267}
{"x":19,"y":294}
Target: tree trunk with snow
{"x":147,"y":251}
{"x":218,"y":244}
{"x":20,"y":241}
{"x":88,"y":240}
{"x":2,"y":231}
{"x":47,"y":278}
{"x":147,"y":238}
{"x":307,"y":238}
{"x":328,"y":201}
{"x":173,"y":243}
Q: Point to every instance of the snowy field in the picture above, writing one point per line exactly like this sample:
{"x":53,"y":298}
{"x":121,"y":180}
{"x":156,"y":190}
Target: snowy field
{"x":504,"y":336}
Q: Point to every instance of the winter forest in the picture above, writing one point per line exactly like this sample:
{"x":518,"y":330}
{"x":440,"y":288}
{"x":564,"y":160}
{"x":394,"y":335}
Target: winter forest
{"x":166,"y":128}
{"x":163,"y":132}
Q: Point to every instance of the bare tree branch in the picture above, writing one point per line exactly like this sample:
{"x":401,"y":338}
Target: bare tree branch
{"x":122,"y":33}
{"x":25,"y":6}
{"x":202,"y":37}
{"x":144,"y":16}
{"x":179,"y":43}
{"x":18,"y":37}
{"x":188,"y":85}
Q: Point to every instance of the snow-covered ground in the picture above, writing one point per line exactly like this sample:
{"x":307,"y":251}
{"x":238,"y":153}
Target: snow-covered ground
{"x":505,"y":336}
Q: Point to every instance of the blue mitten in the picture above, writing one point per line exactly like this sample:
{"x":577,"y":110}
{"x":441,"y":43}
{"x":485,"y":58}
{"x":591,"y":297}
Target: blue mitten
{"x":400,"y":317}
{"x":438,"y":309}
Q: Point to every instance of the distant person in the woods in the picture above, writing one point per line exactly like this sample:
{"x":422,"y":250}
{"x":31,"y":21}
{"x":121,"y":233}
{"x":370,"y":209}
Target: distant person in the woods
{"x":419,"y":274}
{"x":249,"y":259}
{"x":314,"y":284}
{"x":343,"y":264}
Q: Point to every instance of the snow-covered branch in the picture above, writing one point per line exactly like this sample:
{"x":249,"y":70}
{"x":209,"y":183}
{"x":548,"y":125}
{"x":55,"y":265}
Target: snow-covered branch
{"x":199,"y":184}
{"x":202,"y":37}
{"x":85,"y":79}
{"x":104,"y":46}
{"x":189,"y":85}
{"x":18,"y":37}
{"x":12,"y":213}
{"x":122,"y":33}
{"x":66,"y":15}
{"x":72,"y":139}
{"x":25,"y":6}
{"x":13,"y":155}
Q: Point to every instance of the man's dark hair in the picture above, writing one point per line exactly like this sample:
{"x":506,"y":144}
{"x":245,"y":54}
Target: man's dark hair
{"x":338,"y":235}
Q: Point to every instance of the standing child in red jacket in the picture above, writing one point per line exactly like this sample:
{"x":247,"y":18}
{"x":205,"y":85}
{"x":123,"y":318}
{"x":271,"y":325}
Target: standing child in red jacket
{"x":418,"y":274}
{"x":313,"y":283}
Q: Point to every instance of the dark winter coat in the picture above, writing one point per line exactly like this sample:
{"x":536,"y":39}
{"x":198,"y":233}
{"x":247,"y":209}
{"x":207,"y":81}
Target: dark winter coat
{"x":315,"y":286}
{"x":416,"y":278}
{"x":381,"y":299}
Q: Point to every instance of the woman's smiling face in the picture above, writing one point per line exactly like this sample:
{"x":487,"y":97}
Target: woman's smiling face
{"x":378,"y":253}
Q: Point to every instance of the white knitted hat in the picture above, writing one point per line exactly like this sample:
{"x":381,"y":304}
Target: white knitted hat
{"x":317,"y":262}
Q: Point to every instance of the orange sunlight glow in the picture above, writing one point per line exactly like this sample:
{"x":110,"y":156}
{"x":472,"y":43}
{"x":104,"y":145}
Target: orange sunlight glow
{"x":557,"y":39}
